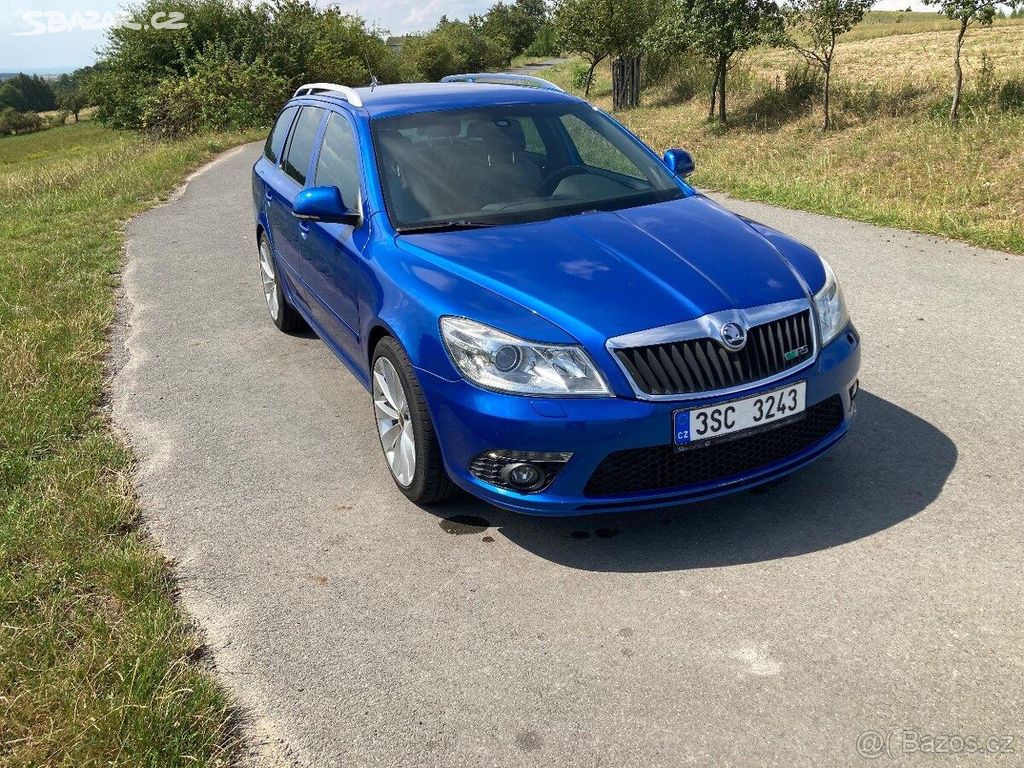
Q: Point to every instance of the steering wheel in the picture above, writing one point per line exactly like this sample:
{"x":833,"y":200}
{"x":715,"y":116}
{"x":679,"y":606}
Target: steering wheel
{"x":550,"y":182}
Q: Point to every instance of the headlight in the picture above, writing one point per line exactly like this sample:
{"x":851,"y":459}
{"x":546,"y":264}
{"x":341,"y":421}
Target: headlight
{"x":830,"y":306}
{"x":498,"y":360}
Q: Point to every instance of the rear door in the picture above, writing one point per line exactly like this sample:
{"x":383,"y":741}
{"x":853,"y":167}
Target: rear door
{"x":332,"y":264}
{"x":294,"y":171}
{"x":267,"y":172}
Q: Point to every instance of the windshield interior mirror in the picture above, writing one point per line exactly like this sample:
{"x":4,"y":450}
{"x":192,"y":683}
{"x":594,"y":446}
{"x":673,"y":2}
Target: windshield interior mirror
{"x":680,"y":162}
{"x":324,"y":204}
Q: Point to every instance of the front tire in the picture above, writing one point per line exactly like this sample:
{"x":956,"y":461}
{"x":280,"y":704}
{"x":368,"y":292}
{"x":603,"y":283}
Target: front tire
{"x":406,"y":432}
{"x":284,"y":315}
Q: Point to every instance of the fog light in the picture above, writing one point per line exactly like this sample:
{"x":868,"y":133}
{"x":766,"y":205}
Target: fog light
{"x":523,"y":477}
{"x":854,"y":389}
{"x":522,"y":471}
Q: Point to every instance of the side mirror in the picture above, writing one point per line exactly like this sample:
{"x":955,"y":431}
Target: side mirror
{"x":680,"y":162}
{"x":324,"y":204}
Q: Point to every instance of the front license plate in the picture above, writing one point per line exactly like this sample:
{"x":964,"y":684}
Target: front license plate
{"x":701,"y":424}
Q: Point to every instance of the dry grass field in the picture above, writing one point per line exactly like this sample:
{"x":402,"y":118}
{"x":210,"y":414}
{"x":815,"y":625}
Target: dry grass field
{"x":893,"y":158}
{"x":914,"y":52}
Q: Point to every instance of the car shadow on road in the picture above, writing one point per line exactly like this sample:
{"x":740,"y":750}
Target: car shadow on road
{"x":891,"y":466}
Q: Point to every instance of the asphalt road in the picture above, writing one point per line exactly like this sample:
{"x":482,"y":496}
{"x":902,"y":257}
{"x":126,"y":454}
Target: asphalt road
{"x":879,"y":590}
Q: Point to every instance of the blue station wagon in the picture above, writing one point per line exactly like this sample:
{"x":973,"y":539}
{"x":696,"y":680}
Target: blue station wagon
{"x":544,"y":312}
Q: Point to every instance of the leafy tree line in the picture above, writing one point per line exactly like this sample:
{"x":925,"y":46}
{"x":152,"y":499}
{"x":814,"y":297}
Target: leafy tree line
{"x":27,"y":93}
{"x":234,"y":64}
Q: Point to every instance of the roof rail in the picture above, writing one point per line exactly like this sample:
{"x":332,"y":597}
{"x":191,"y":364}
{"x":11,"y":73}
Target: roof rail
{"x":344,"y":91}
{"x":503,"y":78}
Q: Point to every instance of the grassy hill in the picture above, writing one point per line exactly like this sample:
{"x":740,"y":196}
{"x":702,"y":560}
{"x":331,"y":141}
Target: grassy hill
{"x":893,"y":158}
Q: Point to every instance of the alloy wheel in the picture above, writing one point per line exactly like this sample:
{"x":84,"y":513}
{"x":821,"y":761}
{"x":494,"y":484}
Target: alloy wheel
{"x":269,"y":278}
{"x":394,"y":425}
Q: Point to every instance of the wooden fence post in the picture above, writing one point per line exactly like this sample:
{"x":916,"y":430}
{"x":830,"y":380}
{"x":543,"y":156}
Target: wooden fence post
{"x":625,"y":83}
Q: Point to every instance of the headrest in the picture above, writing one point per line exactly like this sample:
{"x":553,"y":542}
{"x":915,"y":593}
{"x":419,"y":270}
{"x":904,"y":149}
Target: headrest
{"x":446,"y":129}
{"x":502,"y":132}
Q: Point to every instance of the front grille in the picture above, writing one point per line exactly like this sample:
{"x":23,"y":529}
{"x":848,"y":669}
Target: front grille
{"x":662,"y":467}
{"x":704,"y":365}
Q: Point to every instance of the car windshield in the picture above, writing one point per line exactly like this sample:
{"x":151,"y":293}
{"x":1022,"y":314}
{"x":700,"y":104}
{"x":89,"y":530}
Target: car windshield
{"x":511,"y":164}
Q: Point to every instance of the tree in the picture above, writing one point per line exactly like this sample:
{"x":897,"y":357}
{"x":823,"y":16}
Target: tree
{"x":515,"y":25}
{"x":27,"y":93}
{"x":967,"y":12}
{"x":597,"y":29}
{"x":718,"y":30}
{"x":452,"y":47}
{"x":582,"y":29}
{"x":70,"y":93}
{"x":293,"y":38}
{"x":816,"y":25}
{"x":629,"y":26}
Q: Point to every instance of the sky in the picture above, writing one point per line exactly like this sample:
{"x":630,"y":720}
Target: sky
{"x":61,"y":35}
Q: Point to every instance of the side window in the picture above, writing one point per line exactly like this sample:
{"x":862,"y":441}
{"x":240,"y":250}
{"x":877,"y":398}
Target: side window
{"x":300,"y":148}
{"x":534,"y":143}
{"x":338,"y":164}
{"x":596,"y":151}
{"x":275,"y":141}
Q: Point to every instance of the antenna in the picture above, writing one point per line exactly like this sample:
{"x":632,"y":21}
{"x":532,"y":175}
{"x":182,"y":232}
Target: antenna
{"x":374,"y":82}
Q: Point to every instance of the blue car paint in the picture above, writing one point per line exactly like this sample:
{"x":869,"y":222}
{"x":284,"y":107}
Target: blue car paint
{"x":643,"y":267}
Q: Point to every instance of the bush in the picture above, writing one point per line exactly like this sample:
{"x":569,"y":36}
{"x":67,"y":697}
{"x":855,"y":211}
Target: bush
{"x":1011,"y":96}
{"x":546,"y":42}
{"x":687,"y":75}
{"x":453,"y":47}
{"x":220,"y":93}
{"x":60,"y":118}
{"x":897,"y":101}
{"x":13,"y":122}
{"x":578,"y":75}
{"x":293,"y":39}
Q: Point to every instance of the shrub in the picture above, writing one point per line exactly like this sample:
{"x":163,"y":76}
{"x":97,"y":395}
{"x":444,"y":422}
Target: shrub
{"x":452,"y":47}
{"x":578,"y":75}
{"x":792,"y":95}
{"x":895,"y":101}
{"x":220,"y":93}
{"x":1011,"y":96}
{"x":545,"y":43}
{"x":13,"y":122}
{"x":292,"y":38}
{"x":60,"y":118}
{"x":686,"y":75}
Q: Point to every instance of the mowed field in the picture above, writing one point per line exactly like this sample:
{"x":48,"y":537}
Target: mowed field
{"x":97,"y":665}
{"x":893,"y":158}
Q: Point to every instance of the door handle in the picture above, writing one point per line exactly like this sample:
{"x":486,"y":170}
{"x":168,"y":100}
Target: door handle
{"x":269,"y":194}
{"x":303,"y":229}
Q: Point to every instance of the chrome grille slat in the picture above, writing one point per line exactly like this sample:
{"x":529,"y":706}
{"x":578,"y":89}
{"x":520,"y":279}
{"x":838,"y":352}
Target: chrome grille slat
{"x":703,"y":365}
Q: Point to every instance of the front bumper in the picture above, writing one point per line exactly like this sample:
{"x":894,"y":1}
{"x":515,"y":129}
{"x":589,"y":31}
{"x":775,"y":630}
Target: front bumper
{"x":470,"y":420}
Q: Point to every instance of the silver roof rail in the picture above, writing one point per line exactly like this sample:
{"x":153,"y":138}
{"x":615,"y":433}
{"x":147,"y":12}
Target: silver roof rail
{"x":344,"y":91}
{"x":503,"y":78}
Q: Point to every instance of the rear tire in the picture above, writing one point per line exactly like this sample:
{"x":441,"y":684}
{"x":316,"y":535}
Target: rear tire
{"x":404,"y":426}
{"x":284,"y":315}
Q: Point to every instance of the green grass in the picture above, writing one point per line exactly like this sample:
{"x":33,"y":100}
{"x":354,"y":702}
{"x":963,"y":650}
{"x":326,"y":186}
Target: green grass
{"x":97,"y":664}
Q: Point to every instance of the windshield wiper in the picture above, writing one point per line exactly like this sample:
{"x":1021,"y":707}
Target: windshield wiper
{"x":444,"y":226}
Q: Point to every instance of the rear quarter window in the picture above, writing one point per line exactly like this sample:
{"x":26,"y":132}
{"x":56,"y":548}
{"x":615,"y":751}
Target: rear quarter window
{"x":275,"y":141}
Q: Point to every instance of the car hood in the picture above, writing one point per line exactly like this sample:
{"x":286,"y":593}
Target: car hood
{"x":602,"y":274}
